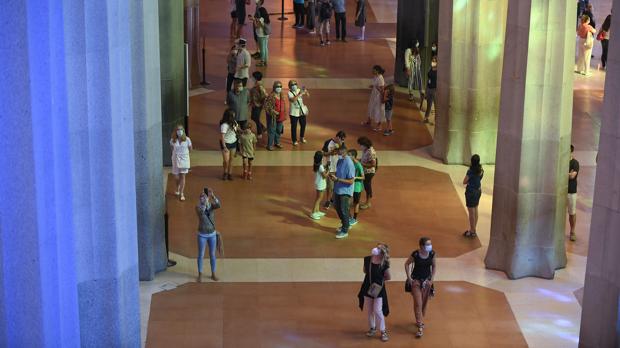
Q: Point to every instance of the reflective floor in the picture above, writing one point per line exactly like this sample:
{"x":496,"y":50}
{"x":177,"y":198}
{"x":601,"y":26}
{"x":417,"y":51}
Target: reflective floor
{"x":287,"y":282}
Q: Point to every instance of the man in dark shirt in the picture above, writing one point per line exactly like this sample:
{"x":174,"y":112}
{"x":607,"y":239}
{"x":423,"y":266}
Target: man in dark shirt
{"x":238,"y":99}
{"x":431,"y":87}
{"x":573,"y":172}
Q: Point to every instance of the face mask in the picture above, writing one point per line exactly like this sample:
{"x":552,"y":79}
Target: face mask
{"x":278,"y":89}
{"x":375,"y":251}
{"x":428,"y":248}
{"x":294,"y":88}
{"x":203,"y":200}
{"x":239,"y":89}
{"x":434,"y":49}
{"x":179,"y":132}
{"x":434,"y":65}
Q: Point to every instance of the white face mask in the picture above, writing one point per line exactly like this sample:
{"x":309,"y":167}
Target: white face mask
{"x":375,"y":251}
{"x":179,"y":132}
{"x":294,"y":88}
{"x":428,"y":248}
{"x":434,"y":49}
{"x":278,"y":89}
{"x":434,"y":65}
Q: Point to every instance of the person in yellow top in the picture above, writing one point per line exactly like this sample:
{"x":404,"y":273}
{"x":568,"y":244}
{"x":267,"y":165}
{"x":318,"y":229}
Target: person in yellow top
{"x":248,"y":145}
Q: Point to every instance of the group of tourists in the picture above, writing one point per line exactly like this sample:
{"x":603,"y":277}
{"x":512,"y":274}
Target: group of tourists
{"x":312,"y":12}
{"x":413,"y":69}
{"x":586,"y":29}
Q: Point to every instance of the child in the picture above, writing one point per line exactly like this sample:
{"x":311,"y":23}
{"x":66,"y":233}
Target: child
{"x":248,"y":145}
{"x":320,"y":183}
{"x":388,"y":99}
{"x":357,"y":187}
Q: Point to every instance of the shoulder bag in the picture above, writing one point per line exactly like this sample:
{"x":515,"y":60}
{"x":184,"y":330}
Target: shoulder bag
{"x":374,"y":289}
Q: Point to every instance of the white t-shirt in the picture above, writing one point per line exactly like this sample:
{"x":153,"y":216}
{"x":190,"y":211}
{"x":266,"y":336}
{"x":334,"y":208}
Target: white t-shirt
{"x":333,"y":159}
{"x":319,"y":181}
{"x":298,"y":105}
{"x":243,"y":59}
{"x":230,"y":137}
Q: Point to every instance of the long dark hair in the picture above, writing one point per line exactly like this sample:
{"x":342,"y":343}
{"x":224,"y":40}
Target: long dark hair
{"x":228,"y":117}
{"x":318,"y":159}
{"x":378,"y":69}
{"x":475,"y":166}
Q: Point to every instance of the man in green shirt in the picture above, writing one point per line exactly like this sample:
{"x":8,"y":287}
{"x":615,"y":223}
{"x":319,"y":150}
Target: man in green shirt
{"x":358,"y":186}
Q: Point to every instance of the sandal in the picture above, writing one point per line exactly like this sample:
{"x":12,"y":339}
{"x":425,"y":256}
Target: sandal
{"x":467,"y":234}
{"x":473,"y":235}
{"x":419,"y":333}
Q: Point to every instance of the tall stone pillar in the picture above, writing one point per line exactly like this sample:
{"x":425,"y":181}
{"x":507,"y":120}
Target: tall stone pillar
{"x":471,"y":50}
{"x":172,"y":64}
{"x":72,"y":77}
{"x":533,"y":142}
{"x":599,"y":317}
{"x":147,"y":145}
{"x":192,"y":37}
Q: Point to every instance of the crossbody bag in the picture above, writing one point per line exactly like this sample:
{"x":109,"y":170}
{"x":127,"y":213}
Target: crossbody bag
{"x":374,"y":289}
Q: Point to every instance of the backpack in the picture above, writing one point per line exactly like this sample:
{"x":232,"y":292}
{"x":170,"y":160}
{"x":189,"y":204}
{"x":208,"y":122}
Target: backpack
{"x":326,"y":145}
{"x":326,"y":10}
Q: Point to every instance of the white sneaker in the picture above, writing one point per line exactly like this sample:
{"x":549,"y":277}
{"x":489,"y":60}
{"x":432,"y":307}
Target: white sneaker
{"x":315,"y":216}
{"x":321,"y":213}
{"x":295,"y":143}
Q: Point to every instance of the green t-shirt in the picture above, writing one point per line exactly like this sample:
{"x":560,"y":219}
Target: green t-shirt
{"x":359,"y":183}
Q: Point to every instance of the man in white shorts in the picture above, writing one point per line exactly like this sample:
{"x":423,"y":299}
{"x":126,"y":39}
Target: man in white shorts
{"x":573,"y":172}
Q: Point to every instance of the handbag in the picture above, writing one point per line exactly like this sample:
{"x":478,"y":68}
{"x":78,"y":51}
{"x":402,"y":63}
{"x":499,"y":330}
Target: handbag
{"x":374,"y":289}
{"x":601,"y":35}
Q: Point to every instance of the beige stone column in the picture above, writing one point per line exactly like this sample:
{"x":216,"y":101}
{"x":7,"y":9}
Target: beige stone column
{"x":599,"y":317}
{"x":471,"y":49}
{"x":533,"y":141}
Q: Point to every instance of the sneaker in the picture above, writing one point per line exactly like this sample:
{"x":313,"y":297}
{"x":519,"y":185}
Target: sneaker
{"x":342,"y":235}
{"x":321,"y":213}
{"x":303,"y":140}
{"x":352,"y":222}
{"x":322,"y":43}
{"x":229,"y":177}
{"x":328,"y":43}
{"x":365,"y":206}
{"x":224,"y":176}
{"x":177,"y":193}
{"x":313,"y":32}
{"x":315,"y":216}
{"x":419,"y":333}
{"x":269,"y":148}
{"x":386,"y":132}
{"x":182,"y":197}
{"x":384,"y":336}
{"x":278,"y":146}
{"x":295,"y":143}
{"x":371,"y":332}
{"x":327,"y":204}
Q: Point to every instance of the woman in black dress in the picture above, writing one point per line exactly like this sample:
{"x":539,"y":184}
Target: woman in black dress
{"x":374,"y":297}
{"x":420,"y":279}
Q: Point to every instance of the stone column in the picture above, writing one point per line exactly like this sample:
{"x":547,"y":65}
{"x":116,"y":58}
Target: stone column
{"x":192,"y":36}
{"x":471,"y":49}
{"x":599,"y":316}
{"x":533,"y":142}
{"x":172,"y":63}
{"x":72,"y":77}
{"x":147,"y":134}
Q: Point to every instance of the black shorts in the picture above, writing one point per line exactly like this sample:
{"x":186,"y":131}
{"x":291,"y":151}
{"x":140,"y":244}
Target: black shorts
{"x":228,"y":146}
{"x":472,"y":198}
{"x":356,"y":197}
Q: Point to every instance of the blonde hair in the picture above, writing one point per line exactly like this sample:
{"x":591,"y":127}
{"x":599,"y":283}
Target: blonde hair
{"x":175,"y":137}
{"x":385,"y":251}
{"x":585,"y":19}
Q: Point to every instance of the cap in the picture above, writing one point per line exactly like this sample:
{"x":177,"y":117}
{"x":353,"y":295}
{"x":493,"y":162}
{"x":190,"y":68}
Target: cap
{"x":240,"y":41}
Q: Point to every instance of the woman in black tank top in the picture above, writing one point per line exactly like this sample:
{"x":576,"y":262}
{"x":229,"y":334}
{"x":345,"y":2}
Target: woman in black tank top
{"x":420,"y":279}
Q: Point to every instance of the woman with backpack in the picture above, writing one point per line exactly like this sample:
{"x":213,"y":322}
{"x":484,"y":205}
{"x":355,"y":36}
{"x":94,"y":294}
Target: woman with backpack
{"x":263,"y":30}
{"x":326,"y":8}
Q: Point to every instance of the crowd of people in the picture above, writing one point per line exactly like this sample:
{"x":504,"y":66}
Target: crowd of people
{"x":586,"y":30}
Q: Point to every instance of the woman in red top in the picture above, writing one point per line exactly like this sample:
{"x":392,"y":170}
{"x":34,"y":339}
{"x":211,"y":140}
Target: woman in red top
{"x":276,"y":112}
{"x":585,"y":43}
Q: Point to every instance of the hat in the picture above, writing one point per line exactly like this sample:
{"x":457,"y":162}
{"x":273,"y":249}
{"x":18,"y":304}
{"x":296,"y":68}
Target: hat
{"x":240,"y":41}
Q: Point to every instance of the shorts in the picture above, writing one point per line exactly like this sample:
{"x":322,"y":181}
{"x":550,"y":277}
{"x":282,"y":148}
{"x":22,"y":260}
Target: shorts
{"x":356,"y":197}
{"x":472,"y":198}
{"x":229,"y":146}
{"x":233,"y":14}
{"x":571,"y":203}
{"x":388,"y":115}
{"x":248,"y":158}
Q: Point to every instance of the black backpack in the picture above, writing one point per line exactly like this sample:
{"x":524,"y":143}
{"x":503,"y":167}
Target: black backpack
{"x":326,"y":145}
{"x":326,"y":10}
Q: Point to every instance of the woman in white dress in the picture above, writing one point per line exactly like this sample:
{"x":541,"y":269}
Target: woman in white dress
{"x":376,"y":107}
{"x":181,"y":146}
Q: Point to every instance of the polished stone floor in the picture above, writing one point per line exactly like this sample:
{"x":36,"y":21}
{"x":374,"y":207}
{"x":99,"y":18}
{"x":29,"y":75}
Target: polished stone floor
{"x":284,"y":277}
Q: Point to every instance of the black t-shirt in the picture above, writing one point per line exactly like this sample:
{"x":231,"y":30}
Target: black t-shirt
{"x":422,"y":267}
{"x":572,"y":183}
{"x":432,"y":79}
